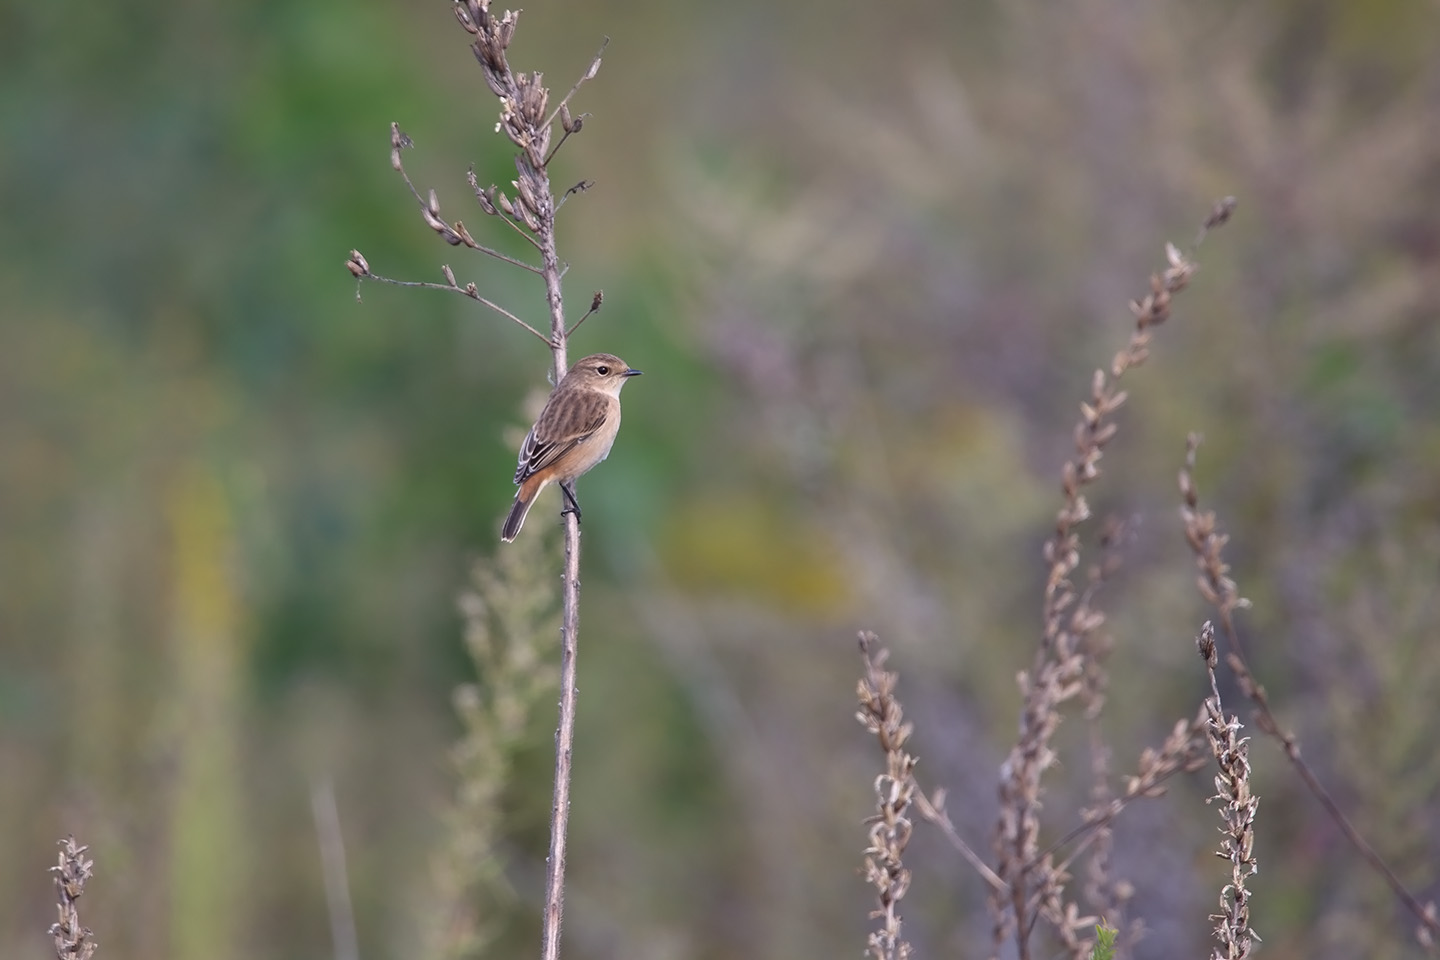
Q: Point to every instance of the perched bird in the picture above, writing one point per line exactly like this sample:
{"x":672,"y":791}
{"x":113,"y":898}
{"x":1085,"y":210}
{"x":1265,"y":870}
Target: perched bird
{"x":573,"y":433}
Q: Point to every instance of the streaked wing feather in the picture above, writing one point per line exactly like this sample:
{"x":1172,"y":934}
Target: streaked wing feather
{"x":566,"y":422}
{"x":527,"y":454}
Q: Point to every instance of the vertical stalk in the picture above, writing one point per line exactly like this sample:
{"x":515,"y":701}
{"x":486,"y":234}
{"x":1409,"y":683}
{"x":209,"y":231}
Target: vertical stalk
{"x":528,"y":121}
{"x":570,"y":616}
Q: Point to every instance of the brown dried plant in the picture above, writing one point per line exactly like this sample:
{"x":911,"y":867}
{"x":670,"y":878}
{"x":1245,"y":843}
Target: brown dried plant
{"x":881,"y":714}
{"x":1028,"y":883}
{"x":73,"y":940}
{"x":1066,"y":662}
{"x":528,"y":120}
{"x":1207,"y":541}
{"x":1237,"y":809}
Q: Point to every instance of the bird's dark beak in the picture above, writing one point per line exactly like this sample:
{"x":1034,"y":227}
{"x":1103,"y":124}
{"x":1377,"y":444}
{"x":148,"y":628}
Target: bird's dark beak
{"x":633,"y":373}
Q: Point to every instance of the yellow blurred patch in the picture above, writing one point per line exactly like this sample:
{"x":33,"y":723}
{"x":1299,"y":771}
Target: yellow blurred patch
{"x":732,"y":545}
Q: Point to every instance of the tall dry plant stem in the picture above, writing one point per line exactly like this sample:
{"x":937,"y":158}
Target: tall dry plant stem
{"x":1207,"y":541}
{"x":1237,"y":809}
{"x":73,"y":940}
{"x":1033,"y":886}
{"x":527,"y":120}
{"x":889,"y":829}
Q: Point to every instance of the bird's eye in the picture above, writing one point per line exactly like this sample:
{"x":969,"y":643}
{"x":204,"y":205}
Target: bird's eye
{"x":602,"y":370}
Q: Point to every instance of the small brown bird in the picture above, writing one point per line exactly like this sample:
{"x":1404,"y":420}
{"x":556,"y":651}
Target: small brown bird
{"x":573,"y":433}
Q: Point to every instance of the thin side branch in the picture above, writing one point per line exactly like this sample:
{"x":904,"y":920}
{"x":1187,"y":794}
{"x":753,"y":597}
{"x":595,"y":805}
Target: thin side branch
{"x":509,"y":220}
{"x":1184,"y":751}
{"x":588,"y":75}
{"x":935,"y":813}
{"x":580,"y":187}
{"x":595,"y":303}
{"x":430,"y":208}
{"x":361,"y":269}
{"x":574,"y":125}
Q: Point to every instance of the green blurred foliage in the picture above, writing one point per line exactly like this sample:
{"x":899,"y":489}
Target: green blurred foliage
{"x":868,"y":258}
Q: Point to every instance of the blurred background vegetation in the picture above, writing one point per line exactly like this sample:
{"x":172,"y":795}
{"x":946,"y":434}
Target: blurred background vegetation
{"x":868,"y":256}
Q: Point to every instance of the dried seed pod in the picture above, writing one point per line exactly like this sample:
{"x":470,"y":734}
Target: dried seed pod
{"x":465,"y":19}
{"x":527,"y":191}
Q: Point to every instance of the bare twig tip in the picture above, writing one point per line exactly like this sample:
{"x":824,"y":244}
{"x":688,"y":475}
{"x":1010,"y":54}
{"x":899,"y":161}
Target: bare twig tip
{"x":1206,"y":645}
{"x":595,"y":64}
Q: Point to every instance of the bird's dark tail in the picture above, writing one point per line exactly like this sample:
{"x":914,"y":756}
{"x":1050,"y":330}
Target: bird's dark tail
{"x":516,"y":520}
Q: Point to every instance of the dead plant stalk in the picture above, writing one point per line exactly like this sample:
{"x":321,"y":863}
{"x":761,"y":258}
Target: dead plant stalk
{"x":527,"y":119}
{"x":1033,"y":885}
{"x":1207,"y":541}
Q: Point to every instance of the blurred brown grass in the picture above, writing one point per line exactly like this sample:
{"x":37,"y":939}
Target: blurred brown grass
{"x":1031,"y":891}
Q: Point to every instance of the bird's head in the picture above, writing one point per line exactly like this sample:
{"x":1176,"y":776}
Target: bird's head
{"x":602,"y":371}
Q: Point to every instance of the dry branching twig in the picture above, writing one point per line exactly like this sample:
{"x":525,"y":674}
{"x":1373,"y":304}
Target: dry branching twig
{"x":73,"y":940}
{"x":1063,"y":664}
{"x":1184,"y":751}
{"x":890,"y":828}
{"x":1207,"y":542}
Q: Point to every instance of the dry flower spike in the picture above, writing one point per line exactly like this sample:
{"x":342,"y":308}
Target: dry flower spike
{"x":880,"y":714}
{"x":73,"y":940}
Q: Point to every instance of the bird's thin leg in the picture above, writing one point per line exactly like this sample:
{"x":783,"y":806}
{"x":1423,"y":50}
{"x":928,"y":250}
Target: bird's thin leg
{"x":567,"y":487}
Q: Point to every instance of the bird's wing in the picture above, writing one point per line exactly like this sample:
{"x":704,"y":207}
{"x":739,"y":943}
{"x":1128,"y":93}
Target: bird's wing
{"x":565,"y":423}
